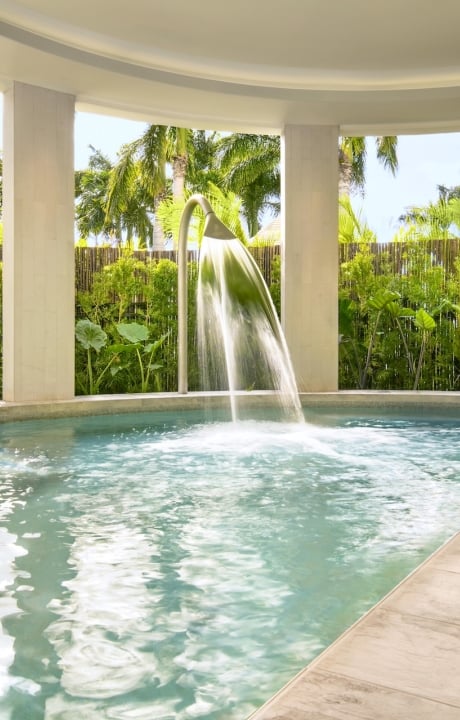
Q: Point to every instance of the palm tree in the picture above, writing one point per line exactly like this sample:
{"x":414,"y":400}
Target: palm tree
{"x":352,"y":229}
{"x":352,"y":161}
{"x":91,"y":188}
{"x":448,"y":193}
{"x":250,"y":164}
{"x":177,"y":153}
{"x":250,"y":167}
{"x":435,"y":221}
{"x":226,"y":205}
{"x":123,"y":199}
{"x":142,"y":171}
{"x":245,"y":164}
{"x":202,"y":168}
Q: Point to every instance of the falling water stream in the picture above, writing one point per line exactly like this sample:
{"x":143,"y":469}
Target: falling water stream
{"x":240,"y":340}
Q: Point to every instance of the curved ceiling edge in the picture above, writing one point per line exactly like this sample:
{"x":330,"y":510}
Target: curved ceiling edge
{"x":281,"y":85}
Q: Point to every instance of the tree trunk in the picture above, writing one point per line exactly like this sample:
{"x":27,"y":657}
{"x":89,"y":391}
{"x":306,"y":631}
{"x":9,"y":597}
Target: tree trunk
{"x":158,"y":238}
{"x":345,"y":174}
{"x":179,"y":169}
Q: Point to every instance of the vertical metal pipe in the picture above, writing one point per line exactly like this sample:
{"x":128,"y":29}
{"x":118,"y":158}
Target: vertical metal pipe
{"x":182,"y":340}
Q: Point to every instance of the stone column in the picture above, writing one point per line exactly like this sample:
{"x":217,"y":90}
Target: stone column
{"x":310,"y":253}
{"x":38,"y":251}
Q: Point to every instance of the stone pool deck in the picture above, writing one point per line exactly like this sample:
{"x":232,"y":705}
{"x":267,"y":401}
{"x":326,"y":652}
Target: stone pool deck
{"x":400,"y":661}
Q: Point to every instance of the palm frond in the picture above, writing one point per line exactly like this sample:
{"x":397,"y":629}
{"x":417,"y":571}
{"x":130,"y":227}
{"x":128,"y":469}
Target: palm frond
{"x":387,"y":147}
{"x":351,"y":227}
{"x":153,"y":157}
{"x":121,"y":178}
{"x":434,"y":221}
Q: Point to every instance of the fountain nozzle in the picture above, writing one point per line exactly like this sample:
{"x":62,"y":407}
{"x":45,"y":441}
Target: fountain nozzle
{"x":215,"y":228}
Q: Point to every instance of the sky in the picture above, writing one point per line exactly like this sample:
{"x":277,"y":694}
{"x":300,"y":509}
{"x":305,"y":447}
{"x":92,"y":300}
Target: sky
{"x":425,"y":161}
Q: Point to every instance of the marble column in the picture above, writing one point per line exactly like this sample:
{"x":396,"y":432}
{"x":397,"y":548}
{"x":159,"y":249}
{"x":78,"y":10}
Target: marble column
{"x":38,"y":251}
{"x":310,"y":253}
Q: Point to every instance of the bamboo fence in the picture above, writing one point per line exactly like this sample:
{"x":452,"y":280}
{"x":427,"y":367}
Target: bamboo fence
{"x":441,"y":253}
{"x":393,"y":256}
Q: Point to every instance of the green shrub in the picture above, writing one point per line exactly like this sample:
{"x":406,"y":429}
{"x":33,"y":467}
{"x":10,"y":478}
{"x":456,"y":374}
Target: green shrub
{"x":128,"y":291}
{"x":386,"y":340}
{"x":411,"y":342}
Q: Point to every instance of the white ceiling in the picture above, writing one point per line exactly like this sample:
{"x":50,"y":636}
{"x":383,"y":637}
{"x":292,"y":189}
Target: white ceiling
{"x":369,"y":67}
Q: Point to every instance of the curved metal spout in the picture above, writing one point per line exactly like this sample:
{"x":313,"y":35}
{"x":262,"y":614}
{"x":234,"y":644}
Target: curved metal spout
{"x":214,"y":229}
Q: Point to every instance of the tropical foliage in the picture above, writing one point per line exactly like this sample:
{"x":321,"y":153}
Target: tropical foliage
{"x":250,"y":167}
{"x":120,"y":202}
{"x":227,"y":207}
{"x":438,"y":220}
{"x":352,"y":160}
{"x":352,"y":228}
{"x":91,"y":189}
{"x":127,"y":346}
{"x":399,"y":322}
{"x":399,"y":330}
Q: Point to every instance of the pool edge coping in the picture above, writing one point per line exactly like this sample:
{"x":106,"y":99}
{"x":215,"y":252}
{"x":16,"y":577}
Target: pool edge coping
{"x":350,"y":631}
{"x":81,"y":406}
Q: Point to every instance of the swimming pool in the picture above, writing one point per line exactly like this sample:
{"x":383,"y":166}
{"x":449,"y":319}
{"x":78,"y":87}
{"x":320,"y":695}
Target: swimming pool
{"x":160,"y":566}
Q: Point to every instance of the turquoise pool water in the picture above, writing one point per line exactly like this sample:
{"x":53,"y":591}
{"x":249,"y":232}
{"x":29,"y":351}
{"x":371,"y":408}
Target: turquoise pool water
{"x":161,"y":568}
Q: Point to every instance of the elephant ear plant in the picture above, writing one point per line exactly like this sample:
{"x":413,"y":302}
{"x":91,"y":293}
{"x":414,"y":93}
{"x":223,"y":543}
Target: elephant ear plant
{"x":425,"y":324}
{"x":135,"y":356}
{"x":384,"y":302}
{"x":379,"y":302}
{"x":92,"y":338}
{"x":139,"y":347}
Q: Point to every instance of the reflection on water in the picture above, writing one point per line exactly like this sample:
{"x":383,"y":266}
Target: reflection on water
{"x":156,"y":571}
{"x":37,"y":565}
